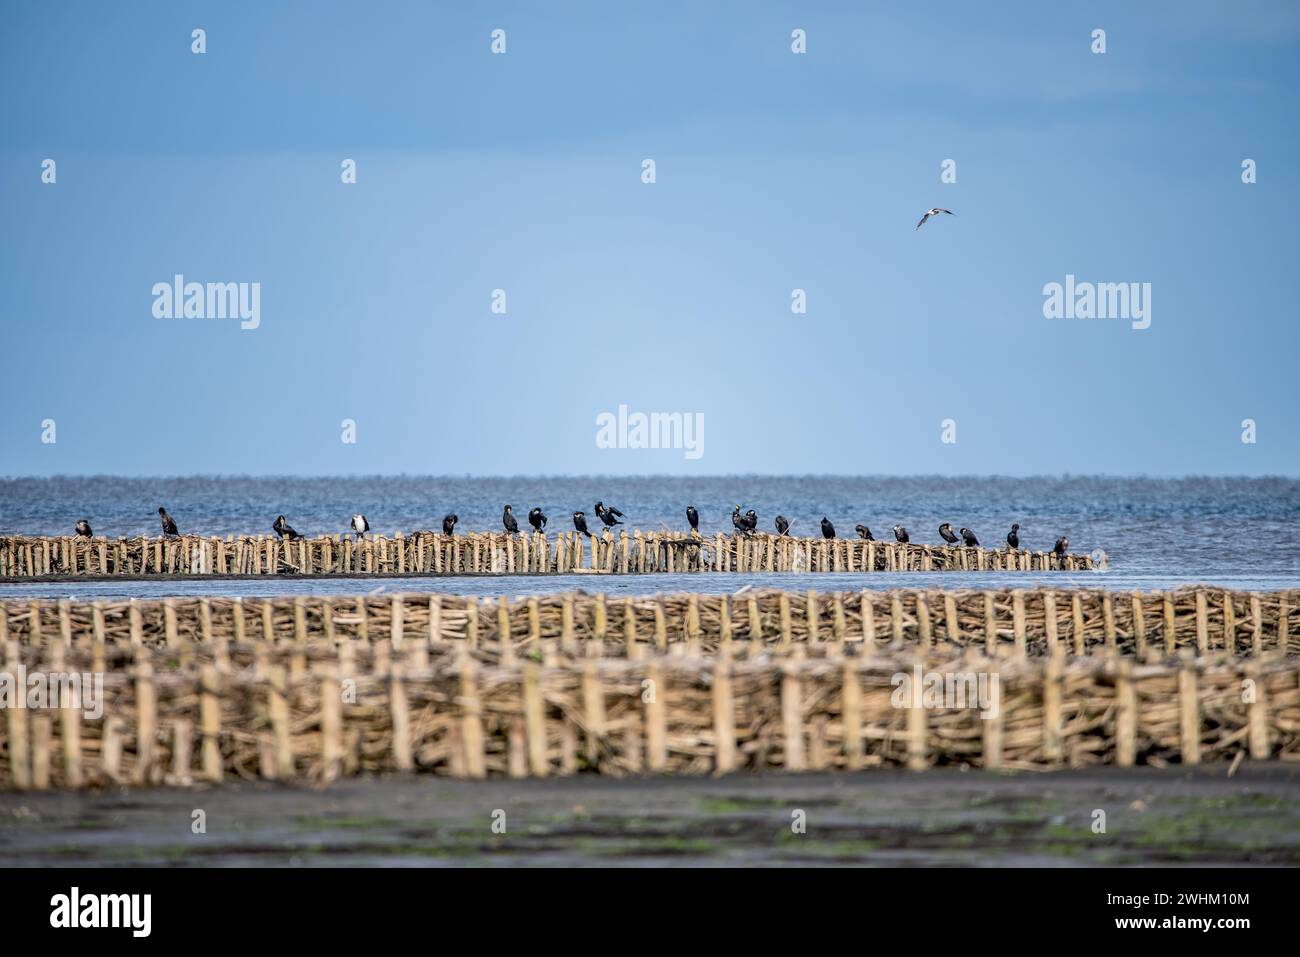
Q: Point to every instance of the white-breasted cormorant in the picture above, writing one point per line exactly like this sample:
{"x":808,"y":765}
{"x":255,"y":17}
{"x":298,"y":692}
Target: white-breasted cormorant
{"x":1013,"y":536}
{"x":945,"y":532}
{"x":580,"y":523}
{"x":284,"y":529}
{"x":168,"y":526}
{"x":449,"y":523}
{"x":900,"y":533}
{"x":828,"y":530}
{"x":537,"y":519}
{"x":968,"y":538}
{"x":83,"y":529}
{"x":360,"y":525}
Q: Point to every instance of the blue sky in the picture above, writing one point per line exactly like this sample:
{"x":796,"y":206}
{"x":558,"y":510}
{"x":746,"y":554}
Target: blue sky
{"x":775,"y":171}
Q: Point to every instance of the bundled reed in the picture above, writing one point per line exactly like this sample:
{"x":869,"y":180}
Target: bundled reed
{"x":1147,"y":625}
{"x":288,"y":720}
{"x":486,"y":553}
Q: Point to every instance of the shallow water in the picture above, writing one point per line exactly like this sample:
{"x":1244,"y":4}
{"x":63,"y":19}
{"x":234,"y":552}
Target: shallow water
{"x":1156,"y":533}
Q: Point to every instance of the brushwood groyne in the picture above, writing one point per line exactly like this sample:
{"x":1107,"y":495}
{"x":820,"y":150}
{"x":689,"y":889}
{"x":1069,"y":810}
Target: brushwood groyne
{"x":431,"y":553}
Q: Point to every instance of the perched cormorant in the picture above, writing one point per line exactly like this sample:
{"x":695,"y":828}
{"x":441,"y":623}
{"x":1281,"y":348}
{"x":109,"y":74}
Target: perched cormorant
{"x":83,"y":529}
{"x":828,"y":530}
{"x":900,"y":533}
{"x":945,"y":532}
{"x":168,"y":526}
{"x":449,"y":523}
{"x":741,"y":523}
{"x":782,"y":525}
{"x":359,"y":524}
{"x":610,"y":516}
{"x":1062,"y":544}
{"x":508,"y":520}
{"x":968,"y":538}
{"x":1013,"y":536}
{"x":284,"y":529}
{"x":537,"y":519}
{"x":864,"y":533}
{"x":580,"y":523}
{"x":693,"y":517}
{"x":751,"y":520}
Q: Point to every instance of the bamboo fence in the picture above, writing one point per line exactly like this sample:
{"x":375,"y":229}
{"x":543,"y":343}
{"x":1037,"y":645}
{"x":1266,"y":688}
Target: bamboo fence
{"x":1019,"y":622}
{"x":618,"y":716}
{"x":430,"y":553}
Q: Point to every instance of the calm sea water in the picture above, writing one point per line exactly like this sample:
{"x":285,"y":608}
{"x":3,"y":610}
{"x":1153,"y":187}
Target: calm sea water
{"x":1155,"y":532}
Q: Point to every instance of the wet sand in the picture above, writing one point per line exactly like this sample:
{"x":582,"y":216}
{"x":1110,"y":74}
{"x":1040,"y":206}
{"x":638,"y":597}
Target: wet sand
{"x":875,"y":818}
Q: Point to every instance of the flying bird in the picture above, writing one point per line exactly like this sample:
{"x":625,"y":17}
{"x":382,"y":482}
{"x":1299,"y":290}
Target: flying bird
{"x":508,"y":520}
{"x":284,"y":529}
{"x":945,"y":532}
{"x":900,"y":533}
{"x":168,"y":526}
{"x":537,"y":519}
{"x":693,"y":517}
{"x":359,"y":524}
{"x":580,"y":523}
{"x":449,"y":523}
{"x":782,"y":525}
{"x":83,"y":529}
{"x":828,"y":530}
{"x":1013,"y":536}
{"x":864,"y":533}
{"x":610,"y":516}
{"x":968,"y":538}
{"x":933,"y":212}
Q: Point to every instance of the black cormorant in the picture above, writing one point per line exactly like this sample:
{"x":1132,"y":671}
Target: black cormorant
{"x":83,"y":529}
{"x":900,"y":533}
{"x":1013,"y":536}
{"x":537,"y":519}
{"x":168,"y":526}
{"x":828,"y":530}
{"x":693,"y":517}
{"x":508,"y":520}
{"x":968,"y":538}
{"x":782,"y":525}
{"x":945,"y":532}
{"x":580,"y":523}
{"x":610,"y":516}
{"x":284,"y":529}
{"x":864,"y":533}
{"x":449,"y":523}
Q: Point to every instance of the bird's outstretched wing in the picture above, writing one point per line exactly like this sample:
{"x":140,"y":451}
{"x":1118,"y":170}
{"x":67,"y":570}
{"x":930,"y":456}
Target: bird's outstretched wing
{"x":613,"y":511}
{"x":923,"y":219}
